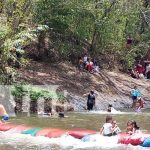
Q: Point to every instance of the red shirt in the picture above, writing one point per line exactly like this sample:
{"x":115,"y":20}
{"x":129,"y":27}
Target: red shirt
{"x":140,"y":69}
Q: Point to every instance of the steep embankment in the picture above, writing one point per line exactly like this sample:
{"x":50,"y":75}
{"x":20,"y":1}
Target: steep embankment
{"x":111,"y":87}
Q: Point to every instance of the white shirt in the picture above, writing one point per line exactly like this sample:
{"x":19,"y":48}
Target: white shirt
{"x":85,"y":58}
{"x":107,"y":128}
{"x":148,"y":68}
{"x":117,"y":130}
{"x":91,"y":63}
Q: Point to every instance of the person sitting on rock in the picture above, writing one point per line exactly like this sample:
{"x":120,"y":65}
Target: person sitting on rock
{"x":134,"y":73}
{"x":4,"y":115}
{"x":96,"y":68}
{"x":81,"y":64}
{"x":140,"y":71}
{"x":85,"y":59}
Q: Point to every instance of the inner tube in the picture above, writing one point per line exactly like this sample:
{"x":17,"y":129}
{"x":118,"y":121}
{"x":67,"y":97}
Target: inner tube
{"x":56,"y":133}
{"x":89,"y":138}
{"x":124,"y":138}
{"x":31,"y":132}
{"x":6,"y":126}
{"x":146,"y":143}
{"x":45,"y":132}
{"x":19,"y":129}
{"x":78,"y":133}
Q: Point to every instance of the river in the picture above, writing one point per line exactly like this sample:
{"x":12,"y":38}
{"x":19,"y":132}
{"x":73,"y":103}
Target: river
{"x":84,"y":120}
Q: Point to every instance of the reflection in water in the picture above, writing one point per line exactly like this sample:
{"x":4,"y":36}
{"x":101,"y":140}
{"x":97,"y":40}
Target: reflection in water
{"x":13,"y":141}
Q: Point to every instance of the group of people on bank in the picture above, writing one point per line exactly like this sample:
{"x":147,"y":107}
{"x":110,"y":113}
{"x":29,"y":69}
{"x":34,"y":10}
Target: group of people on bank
{"x":87,"y":63}
{"x":141,"y":72}
{"x":111,"y":128}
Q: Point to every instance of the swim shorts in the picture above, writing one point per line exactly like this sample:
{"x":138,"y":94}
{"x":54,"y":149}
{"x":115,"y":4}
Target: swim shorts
{"x":5,"y":117}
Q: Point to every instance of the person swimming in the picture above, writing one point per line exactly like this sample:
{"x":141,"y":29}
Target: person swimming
{"x":4,"y":115}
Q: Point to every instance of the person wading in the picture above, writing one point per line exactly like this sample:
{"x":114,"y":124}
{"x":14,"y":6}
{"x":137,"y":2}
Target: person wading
{"x":90,"y":100}
{"x":135,"y":93}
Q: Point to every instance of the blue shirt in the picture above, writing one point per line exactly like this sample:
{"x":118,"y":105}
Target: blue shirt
{"x":135,"y":93}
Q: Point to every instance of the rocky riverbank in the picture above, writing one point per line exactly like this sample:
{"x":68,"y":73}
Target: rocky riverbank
{"x":112,"y":87}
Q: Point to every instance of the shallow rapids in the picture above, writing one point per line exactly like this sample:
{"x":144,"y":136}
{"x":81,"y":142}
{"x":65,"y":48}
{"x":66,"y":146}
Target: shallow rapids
{"x":9,"y":141}
{"x":86,"y":120}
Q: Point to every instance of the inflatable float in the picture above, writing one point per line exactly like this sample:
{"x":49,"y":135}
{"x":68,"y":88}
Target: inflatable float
{"x":85,"y":135}
{"x":123,"y":138}
{"x":47,"y":132}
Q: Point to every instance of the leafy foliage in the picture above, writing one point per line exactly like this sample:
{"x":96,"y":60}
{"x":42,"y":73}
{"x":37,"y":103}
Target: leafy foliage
{"x":18,"y":91}
{"x":99,"y":26}
{"x":105,"y":25}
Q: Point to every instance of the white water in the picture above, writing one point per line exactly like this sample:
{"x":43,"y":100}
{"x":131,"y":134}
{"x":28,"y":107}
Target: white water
{"x":16,"y":141}
{"x":114,"y":111}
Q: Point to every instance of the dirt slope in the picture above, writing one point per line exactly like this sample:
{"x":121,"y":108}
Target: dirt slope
{"x":112,"y":87}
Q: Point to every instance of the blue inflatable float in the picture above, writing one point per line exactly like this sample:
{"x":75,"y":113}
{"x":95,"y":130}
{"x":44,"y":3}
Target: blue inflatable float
{"x":146,"y":143}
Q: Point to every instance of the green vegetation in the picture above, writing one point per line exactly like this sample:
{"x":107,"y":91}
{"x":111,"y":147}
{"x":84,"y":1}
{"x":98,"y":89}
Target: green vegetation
{"x":18,"y":91}
{"x":71,"y":26}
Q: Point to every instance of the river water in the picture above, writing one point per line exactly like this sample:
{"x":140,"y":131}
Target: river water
{"x":84,"y":120}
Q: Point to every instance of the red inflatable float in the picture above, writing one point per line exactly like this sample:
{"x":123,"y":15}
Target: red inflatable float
{"x":46,"y":132}
{"x":56,"y":133}
{"x":124,"y":138}
{"x":78,"y":133}
{"x":6,"y":126}
{"x":135,"y":139}
{"x":19,"y":128}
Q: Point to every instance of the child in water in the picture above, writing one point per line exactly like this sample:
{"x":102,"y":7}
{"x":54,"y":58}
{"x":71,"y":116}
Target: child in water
{"x":139,"y":104}
{"x":109,"y":128}
{"x":115,"y":127}
{"x":110,"y":108}
{"x":4,"y":114}
{"x":132,"y":127}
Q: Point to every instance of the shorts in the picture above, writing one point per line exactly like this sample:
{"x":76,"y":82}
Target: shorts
{"x":5,"y":117}
{"x":110,"y":134}
{"x":134,"y":98}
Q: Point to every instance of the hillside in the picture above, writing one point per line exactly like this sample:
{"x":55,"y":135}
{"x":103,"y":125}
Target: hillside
{"x":112,"y":87}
